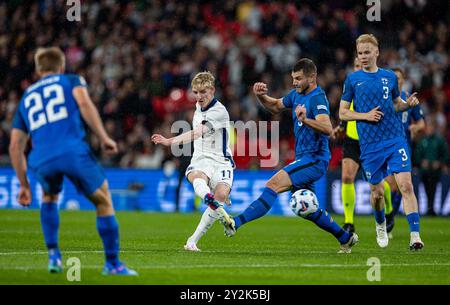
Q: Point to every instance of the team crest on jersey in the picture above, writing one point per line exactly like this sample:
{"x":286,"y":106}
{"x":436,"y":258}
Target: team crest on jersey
{"x":384,"y":80}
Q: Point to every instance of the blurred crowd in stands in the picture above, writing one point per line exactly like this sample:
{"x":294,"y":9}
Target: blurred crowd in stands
{"x":138,"y":58}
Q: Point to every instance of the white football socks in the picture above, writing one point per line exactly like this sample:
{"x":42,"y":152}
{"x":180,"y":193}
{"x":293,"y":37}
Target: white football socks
{"x":200,"y":187}
{"x":207,"y":220}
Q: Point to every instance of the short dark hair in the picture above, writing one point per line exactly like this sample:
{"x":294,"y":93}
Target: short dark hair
{"x":305,"y":64}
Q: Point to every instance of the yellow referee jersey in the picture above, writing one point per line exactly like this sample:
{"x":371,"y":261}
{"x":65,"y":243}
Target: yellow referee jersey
{"x":352,"y":133}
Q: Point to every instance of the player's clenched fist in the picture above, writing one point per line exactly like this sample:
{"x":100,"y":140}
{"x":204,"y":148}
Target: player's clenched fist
{"x":300,"y":111}
{"x":159,"y":139}
{"x":110,"y":146}
{"x":24,"y":196}
{"x":260,"y":88}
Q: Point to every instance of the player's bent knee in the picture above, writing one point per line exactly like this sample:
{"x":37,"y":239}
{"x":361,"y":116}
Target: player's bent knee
{"x":273,"y":184}
{"x":222,"y":192}
{"x":377,"y":194}
{"x":101,"y":198}
{"x":406,"y":188}
{"x":221,"y":196}
{"x":280,"y":182}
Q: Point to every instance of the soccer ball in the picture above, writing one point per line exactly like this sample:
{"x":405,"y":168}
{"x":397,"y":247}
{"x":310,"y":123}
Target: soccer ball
{"x":303,"y":203}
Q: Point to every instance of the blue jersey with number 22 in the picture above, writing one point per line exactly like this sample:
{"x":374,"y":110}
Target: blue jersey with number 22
{"x":49,"y":113}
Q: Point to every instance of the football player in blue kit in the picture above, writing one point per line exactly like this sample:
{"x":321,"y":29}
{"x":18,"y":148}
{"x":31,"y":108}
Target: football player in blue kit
{"x":384,"y":148}
{"x":312,"y":126}
{"x":52,"y":112}
{"x":413,"y":123}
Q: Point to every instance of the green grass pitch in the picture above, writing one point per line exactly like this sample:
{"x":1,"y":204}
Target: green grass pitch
{"x":271,"y":250}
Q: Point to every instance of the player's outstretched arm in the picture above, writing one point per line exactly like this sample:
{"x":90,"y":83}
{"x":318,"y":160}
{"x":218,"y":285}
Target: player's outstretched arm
{"x":92,"y":118}
{"x":411,"y":101}
{"x":19,"y":162}
{"x":345,"y":114}
{"x":274,"y":105}
{"x":183,"y":138}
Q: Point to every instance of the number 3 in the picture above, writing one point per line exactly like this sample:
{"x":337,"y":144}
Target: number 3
{"x":386,"y":92}
{"x":404,"y":155}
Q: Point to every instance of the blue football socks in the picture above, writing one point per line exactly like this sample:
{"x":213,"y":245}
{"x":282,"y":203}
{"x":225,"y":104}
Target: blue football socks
{"x":108,"y":229}
{"x":258,"y":208}
{"x":324,"y":221}
{"x":50,"y":224}
{"x":379,"y":216}
{"x":414,"y":222}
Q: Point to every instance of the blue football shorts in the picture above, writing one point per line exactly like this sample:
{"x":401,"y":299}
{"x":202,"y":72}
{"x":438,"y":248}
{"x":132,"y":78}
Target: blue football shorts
{"x":380,"y":159}
{"x":81,"y":168}
{"x":305,"y":171}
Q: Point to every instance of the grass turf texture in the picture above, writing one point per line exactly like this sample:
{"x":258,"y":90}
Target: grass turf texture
{"x":270,"y":250}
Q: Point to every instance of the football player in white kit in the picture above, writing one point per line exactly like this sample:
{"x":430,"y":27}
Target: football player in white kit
{"x":212,"y":165}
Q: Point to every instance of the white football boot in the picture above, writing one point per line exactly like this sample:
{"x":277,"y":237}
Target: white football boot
{"x":191,"y":247}
{"x":382,"y":237}
{"x":227,"y":222}
{"x":415,"y":243}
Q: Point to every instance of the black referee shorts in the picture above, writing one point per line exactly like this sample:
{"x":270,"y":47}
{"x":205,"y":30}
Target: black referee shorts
{"x":352,"y":150}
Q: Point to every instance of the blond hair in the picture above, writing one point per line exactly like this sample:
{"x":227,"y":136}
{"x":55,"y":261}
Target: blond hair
{"x":203,"y":80}
{"x":49,"y":59}
{"x":367,"y":38}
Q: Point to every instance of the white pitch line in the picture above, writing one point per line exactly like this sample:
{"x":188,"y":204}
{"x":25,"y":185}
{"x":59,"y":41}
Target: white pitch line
{"x":155,"y":250}
{"x":241,"y":266}
{"x":179,"y":250}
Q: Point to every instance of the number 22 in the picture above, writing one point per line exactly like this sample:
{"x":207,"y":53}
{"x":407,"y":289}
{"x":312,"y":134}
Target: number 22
{"x":37,"y":107}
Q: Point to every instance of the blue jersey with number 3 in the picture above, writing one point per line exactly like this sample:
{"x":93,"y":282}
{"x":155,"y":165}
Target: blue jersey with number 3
{"x":49,"y":113}
{"x":369,"y":90}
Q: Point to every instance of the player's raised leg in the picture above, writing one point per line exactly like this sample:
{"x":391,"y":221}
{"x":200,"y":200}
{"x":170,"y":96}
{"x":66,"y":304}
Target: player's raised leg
{"x":279,"y":183}
{"x":404,"y":181}
{"x":303,"y":173}
{"x":108,"y":229}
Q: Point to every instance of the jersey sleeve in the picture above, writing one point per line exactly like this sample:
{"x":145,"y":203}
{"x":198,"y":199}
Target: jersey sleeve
{"x":395,"y":91}
{"x":417,"y":113}
{"x":319,"y":105}
{"x":347,"y":91}
{"x":288,"y":100}
{"x":218,"y":119}
{"x":77,"y":80}
{"x":18,"y":121}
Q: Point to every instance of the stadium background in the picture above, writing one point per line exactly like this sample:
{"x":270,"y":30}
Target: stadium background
{"x":139,"y":56}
